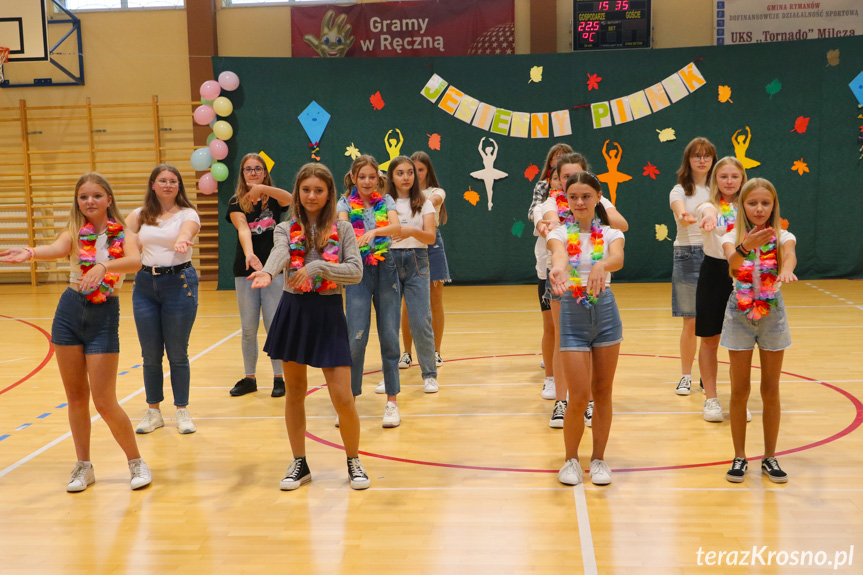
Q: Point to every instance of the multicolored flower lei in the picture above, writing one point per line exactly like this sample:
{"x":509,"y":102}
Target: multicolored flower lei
{"x":728,"y":213}
{"x":373,"y":252}
{"x":757,"y":305}
{"x":562,"y":204}
{"x":298,"y":257}
{"x":573,"y":248}
{"x":87,"y":257}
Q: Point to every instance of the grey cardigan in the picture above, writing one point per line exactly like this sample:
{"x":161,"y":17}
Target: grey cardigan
{"x":349,"y":270}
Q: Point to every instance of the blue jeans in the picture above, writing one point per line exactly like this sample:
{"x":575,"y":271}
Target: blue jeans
{"x":165,"y":307}
{"x":380,"y":286}
{"x":412,"y":266}
{"x":252,"y":302}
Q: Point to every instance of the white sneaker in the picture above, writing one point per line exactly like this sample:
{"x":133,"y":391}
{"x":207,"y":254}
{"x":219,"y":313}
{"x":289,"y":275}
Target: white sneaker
{"x":82,"y":476}
{"x":430,"y":385}
{"x":152,"y":421}
{"x":337,"y":420}
{"x":184,"y":421}
{"x":405,"y":361}
{"x":748,"y":415}
{"x":571,"y":473}
{"x":542,"y":364}
{"x":438,"y":360}
{"x":392,"y":418}
{"x":588,"y":414}
{"x":712,"y":410}
{"x":548,"y":389}
{"x":600,"y":472}
{"x":684,"y":385}
{"x":381,"y":388}
{"x":141,"y":475}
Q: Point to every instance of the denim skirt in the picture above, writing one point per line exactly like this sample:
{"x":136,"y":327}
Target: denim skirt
{"x":438,"y":266}
{"x":684,"y":279}
{"x":310,"y":329}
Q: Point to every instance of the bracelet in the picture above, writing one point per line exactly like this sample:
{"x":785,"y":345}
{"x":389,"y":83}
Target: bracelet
{"x":30,"y":251}
{"x":103,"y":265}
{"x":742,"y":251}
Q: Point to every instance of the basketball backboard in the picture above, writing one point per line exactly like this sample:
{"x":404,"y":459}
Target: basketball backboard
{"x":24,"y":29}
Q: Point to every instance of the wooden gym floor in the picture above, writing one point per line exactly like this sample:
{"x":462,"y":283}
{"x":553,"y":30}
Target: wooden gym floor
{"x":467,"y":484}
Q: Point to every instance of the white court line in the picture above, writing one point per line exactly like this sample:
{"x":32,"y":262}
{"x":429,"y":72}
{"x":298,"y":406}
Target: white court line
{"x":588,"y":556}
{"x":11,"y":360}
{"x":95,"y":418}
{"x":457,"y":488}
{"x":789,"y":488}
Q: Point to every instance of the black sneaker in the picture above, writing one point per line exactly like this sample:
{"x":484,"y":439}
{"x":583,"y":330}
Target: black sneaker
{"x":683,"y":385}
{"x":298,"y":473}
{"x":244,"y":386}
{"x":701,"y":385}
{"x":278,"y":387}
{"x":770,"y":468}
{"x":588,"y":414}
{"x":558,"y":414}
{"x":357,"y":474}
{"x":737,"y":473}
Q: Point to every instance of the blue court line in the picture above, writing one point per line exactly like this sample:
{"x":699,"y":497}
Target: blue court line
{"x":123,"y":373}
{"x":61,"y":406}
{"x":43,"y":416}
{"x":2,"y":437}
{"x":23,"y":426}
{"x":136,"y":366}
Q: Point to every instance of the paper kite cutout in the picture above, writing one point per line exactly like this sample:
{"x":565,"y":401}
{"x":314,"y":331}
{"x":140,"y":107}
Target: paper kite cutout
{"x":773,"y":87}
{"x":725,"y":94}
{"x":352,"y":152}
{"x":800,"y":166}
{"x":531,"y":172}
{"x":832,"y":57}
{"x":434,"y":141}
{"x":471,"y":196}
{"x":612,"y":177}
{"x":593,"y":81}
{"x":517,"y":229}
{"x":650,"y":170}
{"x":800,"y":125}
{"x":662,"y":232}
{"x":535,"y":74}
{"x":856,"y":86}
{"x":489,"y":173}
{"x":314,"y":120}
{"x":394,"y":148}
{"x":666,"y":135}
{"x":741,"y":144}
{"x":377,"y":101}
{"x":267,"y":160}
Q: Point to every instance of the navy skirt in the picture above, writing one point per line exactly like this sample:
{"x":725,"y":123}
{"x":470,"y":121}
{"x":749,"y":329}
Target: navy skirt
{"x":310,"y":329}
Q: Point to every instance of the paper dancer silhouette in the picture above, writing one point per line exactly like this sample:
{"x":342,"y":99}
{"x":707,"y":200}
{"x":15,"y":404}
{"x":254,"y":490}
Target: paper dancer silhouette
{"x":612,"y":177}
{"x":394,"y":148}
{"x":489,"y":173}
{"x":741,"y":144}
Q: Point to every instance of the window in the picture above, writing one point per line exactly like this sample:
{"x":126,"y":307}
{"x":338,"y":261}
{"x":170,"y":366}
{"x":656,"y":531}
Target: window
{"x":81,"y":5}
{"x":228,"y":3}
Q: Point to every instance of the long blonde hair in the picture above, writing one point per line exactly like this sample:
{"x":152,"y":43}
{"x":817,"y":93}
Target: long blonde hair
{"x":715,"y":194}
{"x":328,"y":213}
{"x":743,"y":225}
{"x":78,"y":219}
{"x":243,"y":187}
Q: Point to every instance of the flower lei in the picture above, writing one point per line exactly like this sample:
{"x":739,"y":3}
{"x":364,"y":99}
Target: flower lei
{"x":757,"y":306}
{"x":573,"y":248}
{"x":298,"y":257}
{"x":562,"y":205}
{"x":87,"y":255}
{"x":375,"y":252}
{"x":729,"y":214}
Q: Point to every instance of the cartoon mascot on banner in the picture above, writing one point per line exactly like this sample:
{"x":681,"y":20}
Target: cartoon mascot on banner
{"x":336,"y":38}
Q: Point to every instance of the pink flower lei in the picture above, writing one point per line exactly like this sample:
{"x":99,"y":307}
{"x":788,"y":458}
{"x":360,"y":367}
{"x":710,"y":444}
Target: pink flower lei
{"x":87,"y":255}
{"x":298,"y":256}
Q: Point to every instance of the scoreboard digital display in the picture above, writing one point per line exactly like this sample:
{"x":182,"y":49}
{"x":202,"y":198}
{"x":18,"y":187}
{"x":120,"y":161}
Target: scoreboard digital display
{"x":607,"y":24}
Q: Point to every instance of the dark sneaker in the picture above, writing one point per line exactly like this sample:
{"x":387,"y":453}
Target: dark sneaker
{"x":558,"y":414}
{"x":588,"y":414}
{"x":737,"y":473}
{"x":684,"y":385}
{"x":405,"y":361}
{"x":244,"y":386}
{"x":701,"y":384}
{"x":298,"y":473}
{"x":770,"y":468}
{"x":278,"y":387}
{"x":357,"y":474}
{"x":438,"y":360}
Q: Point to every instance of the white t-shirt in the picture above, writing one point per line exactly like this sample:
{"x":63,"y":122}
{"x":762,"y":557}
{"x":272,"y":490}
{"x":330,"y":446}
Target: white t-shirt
{"x":157,"y":242}
{"x":712,"y":241}
{"x":101,"y":256}
{"x":784,"y":236}
{"x":428,"y":193}
{"x":585,"y":263}
{"x":407,"y":218}
{"x":544,"y":260}
{"x":688,"y":235}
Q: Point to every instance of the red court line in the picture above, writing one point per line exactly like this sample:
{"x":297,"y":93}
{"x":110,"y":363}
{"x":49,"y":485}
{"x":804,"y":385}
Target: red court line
{"x":44,"y":361}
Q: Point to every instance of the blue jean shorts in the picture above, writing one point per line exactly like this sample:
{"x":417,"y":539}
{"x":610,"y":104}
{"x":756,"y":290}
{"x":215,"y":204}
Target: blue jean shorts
{"x":95,"y":326}
{"x":583,"y":328}
{"x":684,"y":279}
{"x":770,"y":332}
{"x":437,"y":261}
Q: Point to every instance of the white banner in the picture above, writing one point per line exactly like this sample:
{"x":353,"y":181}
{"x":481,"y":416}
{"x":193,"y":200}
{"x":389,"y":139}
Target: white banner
{"x":754,"y":21}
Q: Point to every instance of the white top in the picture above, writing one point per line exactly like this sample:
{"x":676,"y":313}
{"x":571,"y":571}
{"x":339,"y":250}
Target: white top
{"x":428,"y":193}
{"x":157,"y":242}
{"x":101,"y":256}
{"x":712,"y":240}
{"x":585,"y":263}
{"x":784,"y":236}
{"x":407,"y":218}
{"x":688,"y":235}
{"x":543,"y":260}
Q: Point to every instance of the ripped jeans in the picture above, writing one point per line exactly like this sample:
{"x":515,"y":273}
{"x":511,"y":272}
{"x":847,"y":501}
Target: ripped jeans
{"x":380,"y":286}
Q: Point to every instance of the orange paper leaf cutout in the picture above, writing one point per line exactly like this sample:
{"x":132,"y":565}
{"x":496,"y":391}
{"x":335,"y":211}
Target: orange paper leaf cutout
{"x":800,"y":166}
{"x":471,"y":196}
{"x":784,"y":223}
{"x":531,"y":172}
{"x":434,"y":141}
{"x":593,"y":81}
{"x":800,"y":125}
{"x":377,"y":101}
{"x":650,"y":170}
{"x":725,"y":94}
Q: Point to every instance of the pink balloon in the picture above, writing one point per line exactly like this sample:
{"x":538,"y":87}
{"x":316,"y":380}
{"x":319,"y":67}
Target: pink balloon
{"x":218,"y":149}
{"x":207,"y":184}
{"x":229,"y":81}
{"x":210,"y":90}
{"x":204,"y":115}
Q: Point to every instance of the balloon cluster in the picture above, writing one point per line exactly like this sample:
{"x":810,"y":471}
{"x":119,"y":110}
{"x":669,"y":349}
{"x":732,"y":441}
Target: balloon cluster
{"x":213,"y":105}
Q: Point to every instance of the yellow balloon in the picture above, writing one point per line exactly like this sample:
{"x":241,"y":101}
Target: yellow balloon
{"x":223,"y":130}
{"x":223,"y":106}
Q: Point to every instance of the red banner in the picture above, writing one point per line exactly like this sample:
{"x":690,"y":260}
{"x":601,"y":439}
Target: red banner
{"x":422,"y":28}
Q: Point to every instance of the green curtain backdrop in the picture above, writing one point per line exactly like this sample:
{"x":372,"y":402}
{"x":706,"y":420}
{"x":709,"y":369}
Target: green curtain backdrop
{"x":824,"y":205}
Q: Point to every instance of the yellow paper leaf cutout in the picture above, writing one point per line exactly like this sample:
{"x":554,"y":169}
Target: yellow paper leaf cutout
{"x":471,"y":196}
{"x":662,"y":232}
{"x":667,"y":135}
{"x":800,"y":166}
{"x":352,"y":151}
{"x":833,"y":57}
{"x":535,"y":74}
{"x":725,"y":94}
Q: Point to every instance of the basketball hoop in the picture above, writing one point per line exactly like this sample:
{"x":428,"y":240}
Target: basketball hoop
{"x":4,"y":57}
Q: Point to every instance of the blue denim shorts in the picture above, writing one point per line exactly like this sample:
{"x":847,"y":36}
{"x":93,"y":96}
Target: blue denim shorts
{"x":741,"y":334}
{"x":437,"y":261}
{"x":684,"y":279}
{"x":95,"y":326}
{"x":549,"y":295}
{"x":583,"y":328}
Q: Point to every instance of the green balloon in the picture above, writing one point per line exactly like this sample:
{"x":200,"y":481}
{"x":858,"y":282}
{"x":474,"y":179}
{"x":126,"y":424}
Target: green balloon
{"x":206,"y":102}
{"x":210,"y":138}
{"x":219,"y":171}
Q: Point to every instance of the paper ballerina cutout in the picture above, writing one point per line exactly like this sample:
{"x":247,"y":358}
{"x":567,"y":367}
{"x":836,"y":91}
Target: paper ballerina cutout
{"x":741,"y":143}
{"x":489,"y":173}
{"x":394,"y":148}
{"x":612,"y":177}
